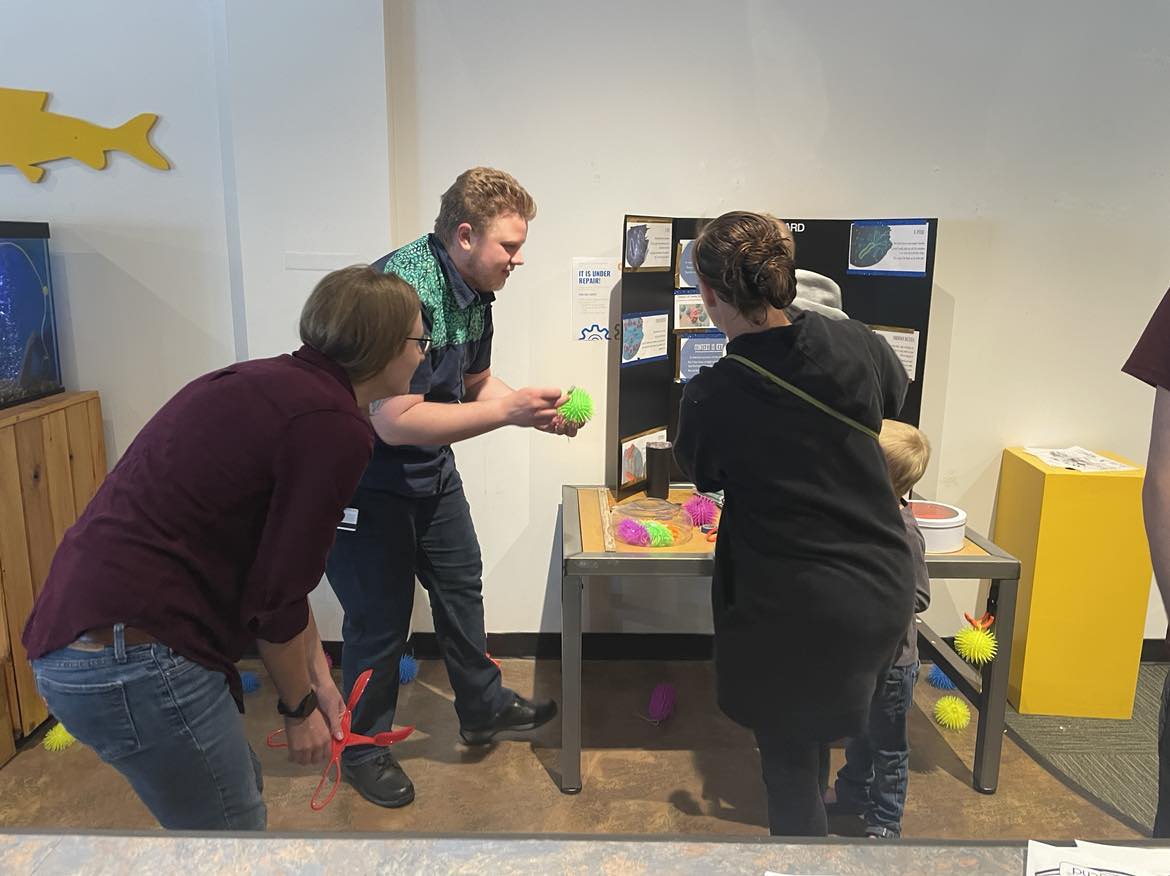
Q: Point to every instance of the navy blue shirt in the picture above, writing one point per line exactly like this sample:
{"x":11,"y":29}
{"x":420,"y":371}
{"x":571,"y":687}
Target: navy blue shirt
{"x":410,"y":470}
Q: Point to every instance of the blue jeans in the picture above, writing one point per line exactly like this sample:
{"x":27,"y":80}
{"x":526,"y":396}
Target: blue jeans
{"x":170,"y":726}
{"x":372,"y":571}
{"x":877,"y":765}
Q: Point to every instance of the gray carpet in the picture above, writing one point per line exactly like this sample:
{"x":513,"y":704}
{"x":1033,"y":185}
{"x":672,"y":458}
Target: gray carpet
{"x":1115,"y":762}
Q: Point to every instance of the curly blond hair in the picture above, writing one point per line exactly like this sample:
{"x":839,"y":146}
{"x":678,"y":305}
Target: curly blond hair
{"x":478,"y":196}
{"x":907,"y":453}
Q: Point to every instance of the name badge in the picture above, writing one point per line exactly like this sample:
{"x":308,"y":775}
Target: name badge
{"x":349,"y":519}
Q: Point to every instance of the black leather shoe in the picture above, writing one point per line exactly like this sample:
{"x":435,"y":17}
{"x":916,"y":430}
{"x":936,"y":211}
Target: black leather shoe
{"x":381,"y":781}
{"x":837,"y":807}
{"x":520,"y":714}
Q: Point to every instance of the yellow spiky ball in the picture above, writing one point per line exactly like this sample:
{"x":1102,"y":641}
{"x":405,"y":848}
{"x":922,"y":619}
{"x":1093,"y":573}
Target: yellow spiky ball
{"x":58,"y":738}
{"x":977,"y":646}
{"x":952,"y":713}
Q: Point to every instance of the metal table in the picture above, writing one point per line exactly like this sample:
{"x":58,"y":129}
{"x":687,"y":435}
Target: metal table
{"x":586,"y":556}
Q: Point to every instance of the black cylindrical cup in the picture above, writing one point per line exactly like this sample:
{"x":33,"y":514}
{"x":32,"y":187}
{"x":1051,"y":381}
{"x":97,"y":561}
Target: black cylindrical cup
{"x":658,"y":459}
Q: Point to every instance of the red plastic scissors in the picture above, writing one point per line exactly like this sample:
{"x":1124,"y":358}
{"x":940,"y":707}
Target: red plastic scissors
{"x":339,"y":745}
{"x":983,"y":623}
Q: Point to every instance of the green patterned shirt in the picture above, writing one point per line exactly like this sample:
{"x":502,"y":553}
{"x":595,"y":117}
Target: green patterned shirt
{"x":460,"y":323}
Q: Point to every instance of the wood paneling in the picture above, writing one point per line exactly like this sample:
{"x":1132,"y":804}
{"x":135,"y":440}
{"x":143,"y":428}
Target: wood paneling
{"x":52,"y":460}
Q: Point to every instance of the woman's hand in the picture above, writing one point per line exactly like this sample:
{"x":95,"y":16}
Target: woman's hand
{"x":331,"y":707}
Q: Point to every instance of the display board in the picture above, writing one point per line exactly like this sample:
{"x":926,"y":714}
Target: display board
{"x":884,"y":269}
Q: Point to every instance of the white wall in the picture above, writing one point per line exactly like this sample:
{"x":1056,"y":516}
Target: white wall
{"x":138,"y":256}
{"x":1034,"y":132}
{"x":304,"y":84}
{"x":308,"y":105}
{"x":274,"y":116}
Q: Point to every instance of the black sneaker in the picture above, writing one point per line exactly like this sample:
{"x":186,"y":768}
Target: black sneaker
{"x":381,"y":781}
{"x":844,"y":807}
{"x":520,"y":715}
{"x":874,"y":831}
{"x":835,"y":806}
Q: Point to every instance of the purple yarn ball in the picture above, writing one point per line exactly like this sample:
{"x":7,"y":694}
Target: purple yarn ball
{"x":633,"y":532}
{"x":661,"y":702}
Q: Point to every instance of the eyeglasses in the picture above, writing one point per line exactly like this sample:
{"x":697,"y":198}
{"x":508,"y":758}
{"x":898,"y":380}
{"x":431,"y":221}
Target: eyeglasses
{"x":424,"y":343}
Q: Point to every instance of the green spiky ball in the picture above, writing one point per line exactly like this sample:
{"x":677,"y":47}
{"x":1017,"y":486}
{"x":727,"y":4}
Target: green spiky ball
{"x":976,"y":646}
{"x":952,"y":713}
{"x":58,"y":738}
{"x":578,"y":407}
{"x":660,"y":535}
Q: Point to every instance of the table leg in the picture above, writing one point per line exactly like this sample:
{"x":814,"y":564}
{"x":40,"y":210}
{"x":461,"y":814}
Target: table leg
{"x":1001,"y":602}
{"x":571,"y":588}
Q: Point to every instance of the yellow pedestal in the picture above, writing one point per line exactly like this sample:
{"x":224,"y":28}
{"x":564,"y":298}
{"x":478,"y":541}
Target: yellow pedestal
{"x":1084,"y":585}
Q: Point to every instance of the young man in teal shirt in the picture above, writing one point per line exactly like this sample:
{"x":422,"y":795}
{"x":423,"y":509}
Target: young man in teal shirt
{"x":412,"y":517}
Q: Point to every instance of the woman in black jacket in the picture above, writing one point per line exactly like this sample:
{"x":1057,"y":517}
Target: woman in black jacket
{"x":813,"y":582}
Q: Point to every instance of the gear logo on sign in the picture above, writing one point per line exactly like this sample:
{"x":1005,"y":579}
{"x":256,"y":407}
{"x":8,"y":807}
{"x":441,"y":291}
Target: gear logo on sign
{"x":595,"y":332}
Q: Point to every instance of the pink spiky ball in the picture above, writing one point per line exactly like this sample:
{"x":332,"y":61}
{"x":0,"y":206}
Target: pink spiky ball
{"x":702,"y":510}
{"x":633,"y":532}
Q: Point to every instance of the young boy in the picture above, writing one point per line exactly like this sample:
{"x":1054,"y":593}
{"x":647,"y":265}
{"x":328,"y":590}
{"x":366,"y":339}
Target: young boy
{"x":873,"y":781}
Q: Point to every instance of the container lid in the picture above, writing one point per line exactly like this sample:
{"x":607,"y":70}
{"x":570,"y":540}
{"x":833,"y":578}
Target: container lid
{"x":937,"y":515}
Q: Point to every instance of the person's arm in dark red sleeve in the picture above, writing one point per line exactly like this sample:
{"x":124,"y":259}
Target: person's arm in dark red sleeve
{"x":316,"y":469}
{"x":1150,"y":359}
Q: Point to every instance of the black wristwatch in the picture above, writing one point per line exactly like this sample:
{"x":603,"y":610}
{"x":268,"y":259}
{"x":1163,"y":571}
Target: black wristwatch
{"x":308,"y":704}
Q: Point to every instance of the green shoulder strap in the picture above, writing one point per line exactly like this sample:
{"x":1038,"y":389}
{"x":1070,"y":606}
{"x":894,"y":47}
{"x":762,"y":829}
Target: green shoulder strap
{"x":800,"y":393}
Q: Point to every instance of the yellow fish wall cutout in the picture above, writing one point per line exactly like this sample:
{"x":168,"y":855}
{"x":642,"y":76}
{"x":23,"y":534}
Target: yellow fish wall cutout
{"x":30,"y":136}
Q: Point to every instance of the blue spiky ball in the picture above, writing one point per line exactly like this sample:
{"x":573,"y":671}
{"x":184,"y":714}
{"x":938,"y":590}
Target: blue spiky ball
{"x":938,"y":679}
{"x":407,"y":669}
{"x":250,"y":681}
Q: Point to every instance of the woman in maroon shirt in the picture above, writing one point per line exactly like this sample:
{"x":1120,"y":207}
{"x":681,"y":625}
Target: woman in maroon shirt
{"x":209,"y":535}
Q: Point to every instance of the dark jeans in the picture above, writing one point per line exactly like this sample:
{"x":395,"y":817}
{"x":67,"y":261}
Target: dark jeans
{"x":372,"y":571}
{"x":168,"y":725}
{"x":1162,"y":818}
{"x":794,"y":774}
{"x":877,"y":765}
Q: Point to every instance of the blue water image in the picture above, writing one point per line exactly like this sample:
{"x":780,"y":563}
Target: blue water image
{"x":29,"y":362}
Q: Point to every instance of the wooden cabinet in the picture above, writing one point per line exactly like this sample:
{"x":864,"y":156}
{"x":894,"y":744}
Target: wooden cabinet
{"x":52,"y":459}
{"x":7,"y":742}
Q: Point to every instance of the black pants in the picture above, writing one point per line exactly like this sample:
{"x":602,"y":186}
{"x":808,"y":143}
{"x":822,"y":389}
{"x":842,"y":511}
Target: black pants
{"x":372,"y":571}
{"x":795,"y":775}
{"x":1162,"y":818}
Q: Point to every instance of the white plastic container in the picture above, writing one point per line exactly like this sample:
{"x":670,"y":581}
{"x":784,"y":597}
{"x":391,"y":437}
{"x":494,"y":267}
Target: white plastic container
{"x":943,"y":526}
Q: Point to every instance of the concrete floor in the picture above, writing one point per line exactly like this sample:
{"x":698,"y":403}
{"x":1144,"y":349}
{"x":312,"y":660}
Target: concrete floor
{"x":696,"y":774}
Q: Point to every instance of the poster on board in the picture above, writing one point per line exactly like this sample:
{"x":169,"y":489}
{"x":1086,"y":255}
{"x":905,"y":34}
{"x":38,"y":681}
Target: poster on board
{"x":645,"y":337}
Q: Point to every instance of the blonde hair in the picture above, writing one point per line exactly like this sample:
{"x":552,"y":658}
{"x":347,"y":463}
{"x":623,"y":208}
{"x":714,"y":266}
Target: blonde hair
{"x":478,"y":196}
{"x":907,"y":453}
{"x":747,"y":259}
{"x":359,"y":318}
